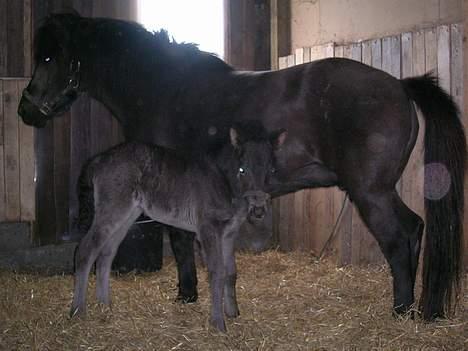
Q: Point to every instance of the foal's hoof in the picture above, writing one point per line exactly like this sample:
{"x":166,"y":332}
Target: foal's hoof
{"x":219,"y":325}
{"x":77,"y":312}
{"x":186,"y":298}
{"x":231,"y":311}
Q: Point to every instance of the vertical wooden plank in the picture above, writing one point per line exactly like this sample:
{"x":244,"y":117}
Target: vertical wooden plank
{"x":339,"y":51}
{"x":464,"y":117}
{"x":27,"y":37}
{"x":456,"y":63}
{"x":430,"y":44}
{"x":302,"y":55}
{"x":274,"y":34}
{"x":15,"y":61}
{"x":376,"y":47}
{"x":412,"y":182}
{"x":27,"y":166}
{"x":281,"y":204}
{"x":11,"y":151}
{"x":406,"y":55}
{"x":283,"y":62}
{"x":299,"y":56}
{"x":3,"y":38}
{"x":443,"y":57}
{"x":328,"y":50}
{"x":391,"y":56}
{"x":2,"y":158}
{"x":367,"y":52}
{"x":61,"y":172}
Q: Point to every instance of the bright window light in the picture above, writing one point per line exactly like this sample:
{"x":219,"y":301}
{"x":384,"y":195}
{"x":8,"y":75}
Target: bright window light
{"x":199,"y":22}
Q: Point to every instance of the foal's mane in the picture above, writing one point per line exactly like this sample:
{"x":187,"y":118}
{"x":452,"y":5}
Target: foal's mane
{"x":71,"y":34}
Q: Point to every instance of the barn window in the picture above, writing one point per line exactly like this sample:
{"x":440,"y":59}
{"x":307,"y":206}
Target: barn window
{"x":200,"y":22}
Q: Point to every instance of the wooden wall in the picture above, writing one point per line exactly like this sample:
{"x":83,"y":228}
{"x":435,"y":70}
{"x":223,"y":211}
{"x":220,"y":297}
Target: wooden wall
{"x":306,"y":218}
{"x":53,"y":156}
{"x":17,"y":187}
{"x":247,"y":34}
{"x":64,"y":145}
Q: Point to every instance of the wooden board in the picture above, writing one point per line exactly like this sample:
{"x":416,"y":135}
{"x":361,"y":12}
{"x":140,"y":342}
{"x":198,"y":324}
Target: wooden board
{"x":27,"y":166}
{"x":11,"y":151}
{"x":456,"y":63}
{"x":391,"y":55}
{"x":2,"y":158}
{"x":443,"y":57}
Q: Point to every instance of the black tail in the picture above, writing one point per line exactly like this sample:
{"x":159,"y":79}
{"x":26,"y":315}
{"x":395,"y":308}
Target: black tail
{"x":85,"y":192}
{"x":445,"y":161}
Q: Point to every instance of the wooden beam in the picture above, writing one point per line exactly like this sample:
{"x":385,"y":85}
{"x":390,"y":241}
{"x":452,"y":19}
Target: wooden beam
{"x":465,"y":112}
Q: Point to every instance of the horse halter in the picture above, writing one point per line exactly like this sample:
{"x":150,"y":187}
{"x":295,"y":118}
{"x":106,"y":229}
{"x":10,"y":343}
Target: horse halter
{"x":47,"y":108}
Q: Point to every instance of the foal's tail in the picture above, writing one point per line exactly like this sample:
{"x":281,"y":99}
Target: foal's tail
{"x":85,"y":190}
{"x":445,"y":161}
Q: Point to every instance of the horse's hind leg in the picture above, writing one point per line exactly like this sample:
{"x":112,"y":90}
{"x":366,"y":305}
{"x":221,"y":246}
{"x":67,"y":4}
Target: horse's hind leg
{"x":106,"y":256}
{"x":398,"y":231}
{"x":182,"y":247}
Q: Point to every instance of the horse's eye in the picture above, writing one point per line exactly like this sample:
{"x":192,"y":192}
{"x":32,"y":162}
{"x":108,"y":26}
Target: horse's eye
{"x":47,"y":59}
{"x":273,"y":170}
{"x":241,"y":171}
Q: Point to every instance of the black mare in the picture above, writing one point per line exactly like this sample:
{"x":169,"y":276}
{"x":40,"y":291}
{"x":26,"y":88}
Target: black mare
{"x":349,"y":125}
{"x":211,"y":195}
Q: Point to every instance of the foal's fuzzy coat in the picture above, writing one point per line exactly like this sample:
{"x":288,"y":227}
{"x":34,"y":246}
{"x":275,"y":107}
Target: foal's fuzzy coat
{"x":209,"y":195}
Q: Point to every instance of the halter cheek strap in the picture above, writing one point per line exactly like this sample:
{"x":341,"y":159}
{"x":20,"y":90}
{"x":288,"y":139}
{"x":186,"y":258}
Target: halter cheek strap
{"x":48,"y":107}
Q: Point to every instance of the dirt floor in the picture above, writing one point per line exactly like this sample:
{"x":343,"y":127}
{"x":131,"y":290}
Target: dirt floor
{"x":287,"y":302}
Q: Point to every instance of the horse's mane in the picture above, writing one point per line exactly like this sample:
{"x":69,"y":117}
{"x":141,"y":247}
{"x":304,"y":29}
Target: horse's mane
{"x":72,"y":33}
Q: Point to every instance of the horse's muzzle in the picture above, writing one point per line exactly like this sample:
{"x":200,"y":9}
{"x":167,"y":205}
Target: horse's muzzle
{"x":258,"y":203}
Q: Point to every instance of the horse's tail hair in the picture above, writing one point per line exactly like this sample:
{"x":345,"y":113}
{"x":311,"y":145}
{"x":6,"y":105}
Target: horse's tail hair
{"x":85,"y":192}
{"x":445,"y":163}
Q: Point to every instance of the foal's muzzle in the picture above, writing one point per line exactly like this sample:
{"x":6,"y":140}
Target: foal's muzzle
{"x":258,"y":203}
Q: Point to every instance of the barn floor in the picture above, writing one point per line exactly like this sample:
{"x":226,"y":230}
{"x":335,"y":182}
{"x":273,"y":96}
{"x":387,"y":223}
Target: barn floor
{"x":287,"y":302}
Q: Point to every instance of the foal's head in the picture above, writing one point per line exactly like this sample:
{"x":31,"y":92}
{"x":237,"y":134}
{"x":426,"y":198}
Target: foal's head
{"x":251,"y":163}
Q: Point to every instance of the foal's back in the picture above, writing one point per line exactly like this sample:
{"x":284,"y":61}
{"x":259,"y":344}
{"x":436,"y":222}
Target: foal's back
{"x":164,"y":184}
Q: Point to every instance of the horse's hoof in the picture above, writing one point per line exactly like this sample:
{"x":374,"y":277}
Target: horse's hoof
{"x":186,"y":299}
{"x":404,"y":312}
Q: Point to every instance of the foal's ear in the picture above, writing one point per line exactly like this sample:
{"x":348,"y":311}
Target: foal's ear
{"x":234,"y":137}
{"x":278,"y":137}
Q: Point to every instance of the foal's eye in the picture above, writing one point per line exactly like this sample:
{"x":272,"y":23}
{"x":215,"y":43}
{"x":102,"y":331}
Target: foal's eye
{"x":47,"y":59}
{"x":241,"y":171}
{"x":272,"y":170}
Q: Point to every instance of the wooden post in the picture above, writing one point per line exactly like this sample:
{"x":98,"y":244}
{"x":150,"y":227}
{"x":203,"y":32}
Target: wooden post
{"x":465,"y":113}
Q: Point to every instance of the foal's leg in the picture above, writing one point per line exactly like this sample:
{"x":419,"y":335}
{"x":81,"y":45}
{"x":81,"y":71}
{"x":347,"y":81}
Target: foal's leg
{"x":108,"y":221}
{"x":182,"y":247}
{"x":230,"y":299}
{"x":398,"y":231}
{"x":210,"y":241}
{"x":105,"y":258}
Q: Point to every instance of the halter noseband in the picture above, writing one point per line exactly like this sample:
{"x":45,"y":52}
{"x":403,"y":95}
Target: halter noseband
{"x":48,"y":107}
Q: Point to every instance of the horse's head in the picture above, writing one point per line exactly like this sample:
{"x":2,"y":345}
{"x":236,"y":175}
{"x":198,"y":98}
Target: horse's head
{"x":56,"y":79}
{"x":252,"y":165}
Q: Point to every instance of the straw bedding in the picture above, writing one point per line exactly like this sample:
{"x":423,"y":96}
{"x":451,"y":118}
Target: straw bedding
{"x":287,"y":302}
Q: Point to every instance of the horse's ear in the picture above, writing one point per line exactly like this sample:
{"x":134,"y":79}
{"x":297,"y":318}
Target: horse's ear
{"x":234,"y":137}
{"x":278,"y":137}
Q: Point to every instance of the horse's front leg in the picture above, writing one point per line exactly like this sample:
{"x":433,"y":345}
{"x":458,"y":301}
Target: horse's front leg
{"x":210,"y":241}
{"x":230,"y":300}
